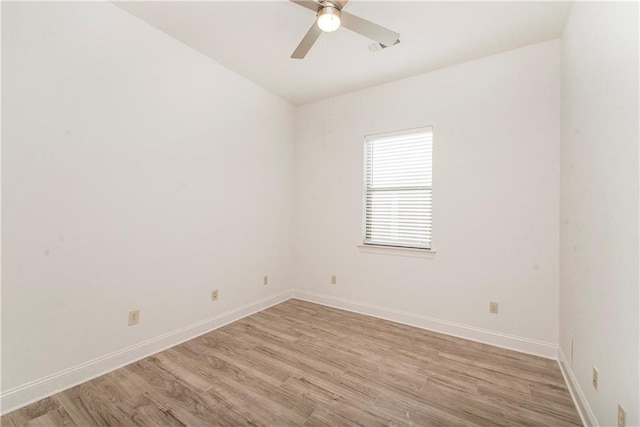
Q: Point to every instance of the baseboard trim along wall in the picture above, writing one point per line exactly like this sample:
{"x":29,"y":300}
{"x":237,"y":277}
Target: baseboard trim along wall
{"x":523,"y":345}
{"x":579,"y":399}
{"x":35,"y":390}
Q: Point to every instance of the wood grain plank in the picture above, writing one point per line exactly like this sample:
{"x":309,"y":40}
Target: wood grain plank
{"x":55,"y":417}
{"x":30,"y":412}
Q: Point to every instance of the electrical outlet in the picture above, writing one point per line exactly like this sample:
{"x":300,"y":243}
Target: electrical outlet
{"x":569,"y":341}
{"x":134,"y":317}
{"x":622,"y":417}
{"x":594,"y":378}
{"x":571,"y":353}
{"x":333,"y":280}
{"x":493,"y":307}
{"x":214,"y":295}
{"x":265,"y":280}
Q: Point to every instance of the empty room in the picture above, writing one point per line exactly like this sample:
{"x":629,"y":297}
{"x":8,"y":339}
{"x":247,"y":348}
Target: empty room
{"x":320,"y":213}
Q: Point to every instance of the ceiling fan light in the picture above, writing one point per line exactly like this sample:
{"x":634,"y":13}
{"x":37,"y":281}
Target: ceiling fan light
{"x":329,"y":19}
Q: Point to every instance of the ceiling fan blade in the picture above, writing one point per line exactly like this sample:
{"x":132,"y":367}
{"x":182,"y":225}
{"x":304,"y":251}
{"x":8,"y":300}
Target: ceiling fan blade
{"x":368,"y":29}
{"x":307,"y":41}
{"x":339,"y":3}
{"x":309,"y":4}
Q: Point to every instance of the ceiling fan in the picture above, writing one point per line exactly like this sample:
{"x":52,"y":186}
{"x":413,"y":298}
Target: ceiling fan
{"x":330,"y":16}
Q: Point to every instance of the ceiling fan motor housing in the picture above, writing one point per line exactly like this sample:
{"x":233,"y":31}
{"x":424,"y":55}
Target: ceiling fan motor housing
{"x":329,"y":17}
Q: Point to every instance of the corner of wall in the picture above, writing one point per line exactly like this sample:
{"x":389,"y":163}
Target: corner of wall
{"x":580,"y":401}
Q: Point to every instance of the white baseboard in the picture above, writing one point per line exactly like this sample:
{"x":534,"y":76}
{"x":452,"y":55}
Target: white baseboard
{"x":35,"y":390}
{"x":579,"y":399}
{"x":523,"y":345}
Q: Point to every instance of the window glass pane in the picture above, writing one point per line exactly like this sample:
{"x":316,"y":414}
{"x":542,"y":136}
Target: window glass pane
{"x":401,"y":163}
{"x":398,"y":207}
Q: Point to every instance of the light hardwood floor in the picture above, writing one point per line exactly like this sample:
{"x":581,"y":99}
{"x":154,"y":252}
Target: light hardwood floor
{"x":304,"y":364}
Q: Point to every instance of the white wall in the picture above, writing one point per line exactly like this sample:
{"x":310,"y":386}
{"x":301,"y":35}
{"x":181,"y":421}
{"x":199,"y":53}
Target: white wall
{"x":137,"y":174}
{"x":599,"y":205}
{"x":496,"y":131}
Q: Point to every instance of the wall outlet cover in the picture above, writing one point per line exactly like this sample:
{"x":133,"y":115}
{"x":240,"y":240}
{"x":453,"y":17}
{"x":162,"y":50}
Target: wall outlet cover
{"x":622,"y":417}
{"x":571,"y":352}
{"x":493,"y":307}
{"x":134,"y":317}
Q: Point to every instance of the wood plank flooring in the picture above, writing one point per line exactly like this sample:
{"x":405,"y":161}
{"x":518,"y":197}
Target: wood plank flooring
{"x":299,"y":363}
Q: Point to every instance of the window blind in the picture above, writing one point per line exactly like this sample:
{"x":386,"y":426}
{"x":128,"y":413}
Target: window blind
{"x":398,"y":188}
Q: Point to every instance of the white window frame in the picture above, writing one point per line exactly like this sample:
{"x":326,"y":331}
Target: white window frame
{"x":390,"y":248}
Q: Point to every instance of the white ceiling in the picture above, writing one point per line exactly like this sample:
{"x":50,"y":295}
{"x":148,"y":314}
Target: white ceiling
{"x":256,"y":39}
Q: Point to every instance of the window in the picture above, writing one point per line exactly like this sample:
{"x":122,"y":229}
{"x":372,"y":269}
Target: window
{"x":397,"y":200}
